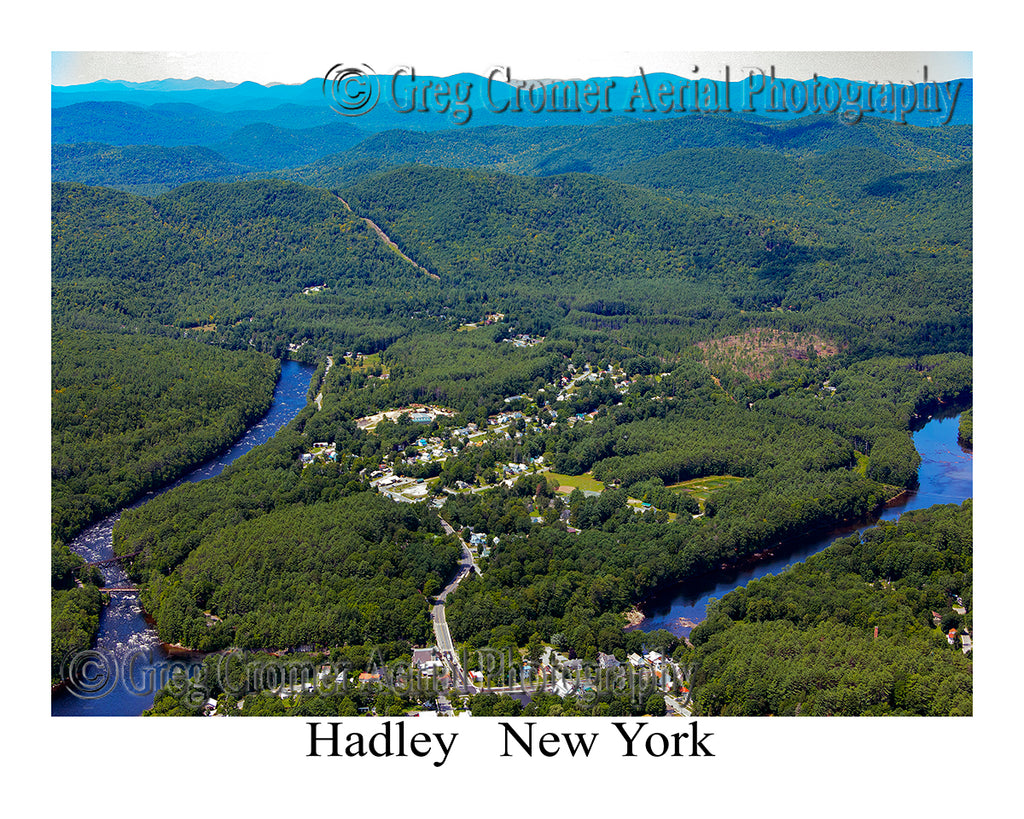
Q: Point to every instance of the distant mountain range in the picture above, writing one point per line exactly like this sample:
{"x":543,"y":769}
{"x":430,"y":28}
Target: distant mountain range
{"x":491,"y":100}
{"x":150,"y":137}
{"x":192,"y":84}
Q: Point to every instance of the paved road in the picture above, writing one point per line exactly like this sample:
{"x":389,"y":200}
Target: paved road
{"x":676,"y":706}
{"x":442,"y":635}
{"x":320,"y":395}
{"x":466,"y":562}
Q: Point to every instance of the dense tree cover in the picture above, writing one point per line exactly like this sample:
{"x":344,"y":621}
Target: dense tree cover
{"x":866,"y":228}
{"x":232,"y":256}
{"x":74,"y":607}
{"x":265,"y":146}
{"x":803,"y":642}
{"x":467,"y":373}
{"x":551,"y":581}
{"x":119,"y":123}
{"x":595,"y":703}
{"x":130,"y":413}
{"x":74,"y":623}
{"x":333,"y":573}
{"x":577,"y":249}
{"x":66,"y":567}
{"x":615,"y":146}
{"x":863,"y":240}
{"x":289,"y":136}
{"x":558,"y":230}
{"x":267,"y":478}
{"x":165,"y":162}
{"x":686,"y":426}
{"x":966,"y":433}
{"x":139,"y":165}
{"x":874,"y":254}
{"x":872,"y":191}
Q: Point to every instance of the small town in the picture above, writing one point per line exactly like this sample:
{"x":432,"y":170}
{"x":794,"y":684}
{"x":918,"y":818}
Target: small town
{"x":443,"y":683}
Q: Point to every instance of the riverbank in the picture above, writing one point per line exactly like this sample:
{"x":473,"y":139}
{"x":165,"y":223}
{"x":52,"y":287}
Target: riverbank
{"x":127,"y":647}
{"x":945,"y":476}
{"x":634,"y":617}
{"x":779,"y":550}
{"x":113,"y":462}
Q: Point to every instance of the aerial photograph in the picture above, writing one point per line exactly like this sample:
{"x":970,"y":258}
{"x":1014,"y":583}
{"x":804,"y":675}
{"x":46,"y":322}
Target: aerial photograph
{"x":634,"y":396}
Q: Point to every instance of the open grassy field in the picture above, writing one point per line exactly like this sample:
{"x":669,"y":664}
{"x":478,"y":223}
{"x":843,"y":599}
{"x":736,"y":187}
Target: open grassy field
{"x":703,"y":488}
{"x":363,"y":363}
{"x":584,"y":481}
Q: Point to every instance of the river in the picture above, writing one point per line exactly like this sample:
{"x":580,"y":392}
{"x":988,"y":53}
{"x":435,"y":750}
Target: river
{"x":946,"y":475}
{"x":130,"y":648}
{"x":128,"y":664}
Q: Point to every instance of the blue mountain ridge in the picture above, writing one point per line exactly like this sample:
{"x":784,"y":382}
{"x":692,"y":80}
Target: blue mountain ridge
{"x":471,"y":99}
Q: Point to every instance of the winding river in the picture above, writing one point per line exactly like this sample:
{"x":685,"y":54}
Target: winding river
{"x":946,"y":475}
{"x":129,"y":664}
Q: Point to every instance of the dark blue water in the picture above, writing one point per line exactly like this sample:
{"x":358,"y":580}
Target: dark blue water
{"x":128,"y":664}
{"x":946,"y":475}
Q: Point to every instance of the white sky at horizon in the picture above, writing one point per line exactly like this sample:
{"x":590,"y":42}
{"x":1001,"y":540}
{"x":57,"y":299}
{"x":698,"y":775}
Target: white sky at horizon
{"x":77,"y":67}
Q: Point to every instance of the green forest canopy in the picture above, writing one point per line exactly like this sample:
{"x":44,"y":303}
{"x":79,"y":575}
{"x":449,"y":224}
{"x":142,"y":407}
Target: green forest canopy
{"x":858,"y":238}
{"x":803,"y":642}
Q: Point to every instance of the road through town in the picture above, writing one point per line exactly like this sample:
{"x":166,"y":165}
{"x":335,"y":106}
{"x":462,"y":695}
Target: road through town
{"x":442,"y":635}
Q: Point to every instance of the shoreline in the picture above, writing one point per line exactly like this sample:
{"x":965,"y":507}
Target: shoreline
{"x":836,"y":529}
{"x":634,"y":617}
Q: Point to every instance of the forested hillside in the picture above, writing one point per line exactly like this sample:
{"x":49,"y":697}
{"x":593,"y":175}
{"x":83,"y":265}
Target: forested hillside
{"x":577,"y":323}
{"x":130,"y":413}
{"x":884,"y":267}
{"x":206,"y":254}
{"x":614,"y":144}
{"x":803,"y":642}
{"x":141,"y":168}
{"x":580,"y":250}
{"x":349,"y":571}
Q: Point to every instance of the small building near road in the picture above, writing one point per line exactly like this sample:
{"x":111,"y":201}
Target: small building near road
{"x":427,"y":661}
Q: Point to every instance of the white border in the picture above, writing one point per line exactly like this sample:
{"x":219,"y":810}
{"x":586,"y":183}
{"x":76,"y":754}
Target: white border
{"x":831,"y":767}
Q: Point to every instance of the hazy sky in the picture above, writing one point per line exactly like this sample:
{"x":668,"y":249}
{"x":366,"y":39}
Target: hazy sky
{"x":72,"y":67}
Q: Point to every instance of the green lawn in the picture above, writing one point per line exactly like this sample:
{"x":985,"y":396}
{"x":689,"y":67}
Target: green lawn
{"x":584,"y":481}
